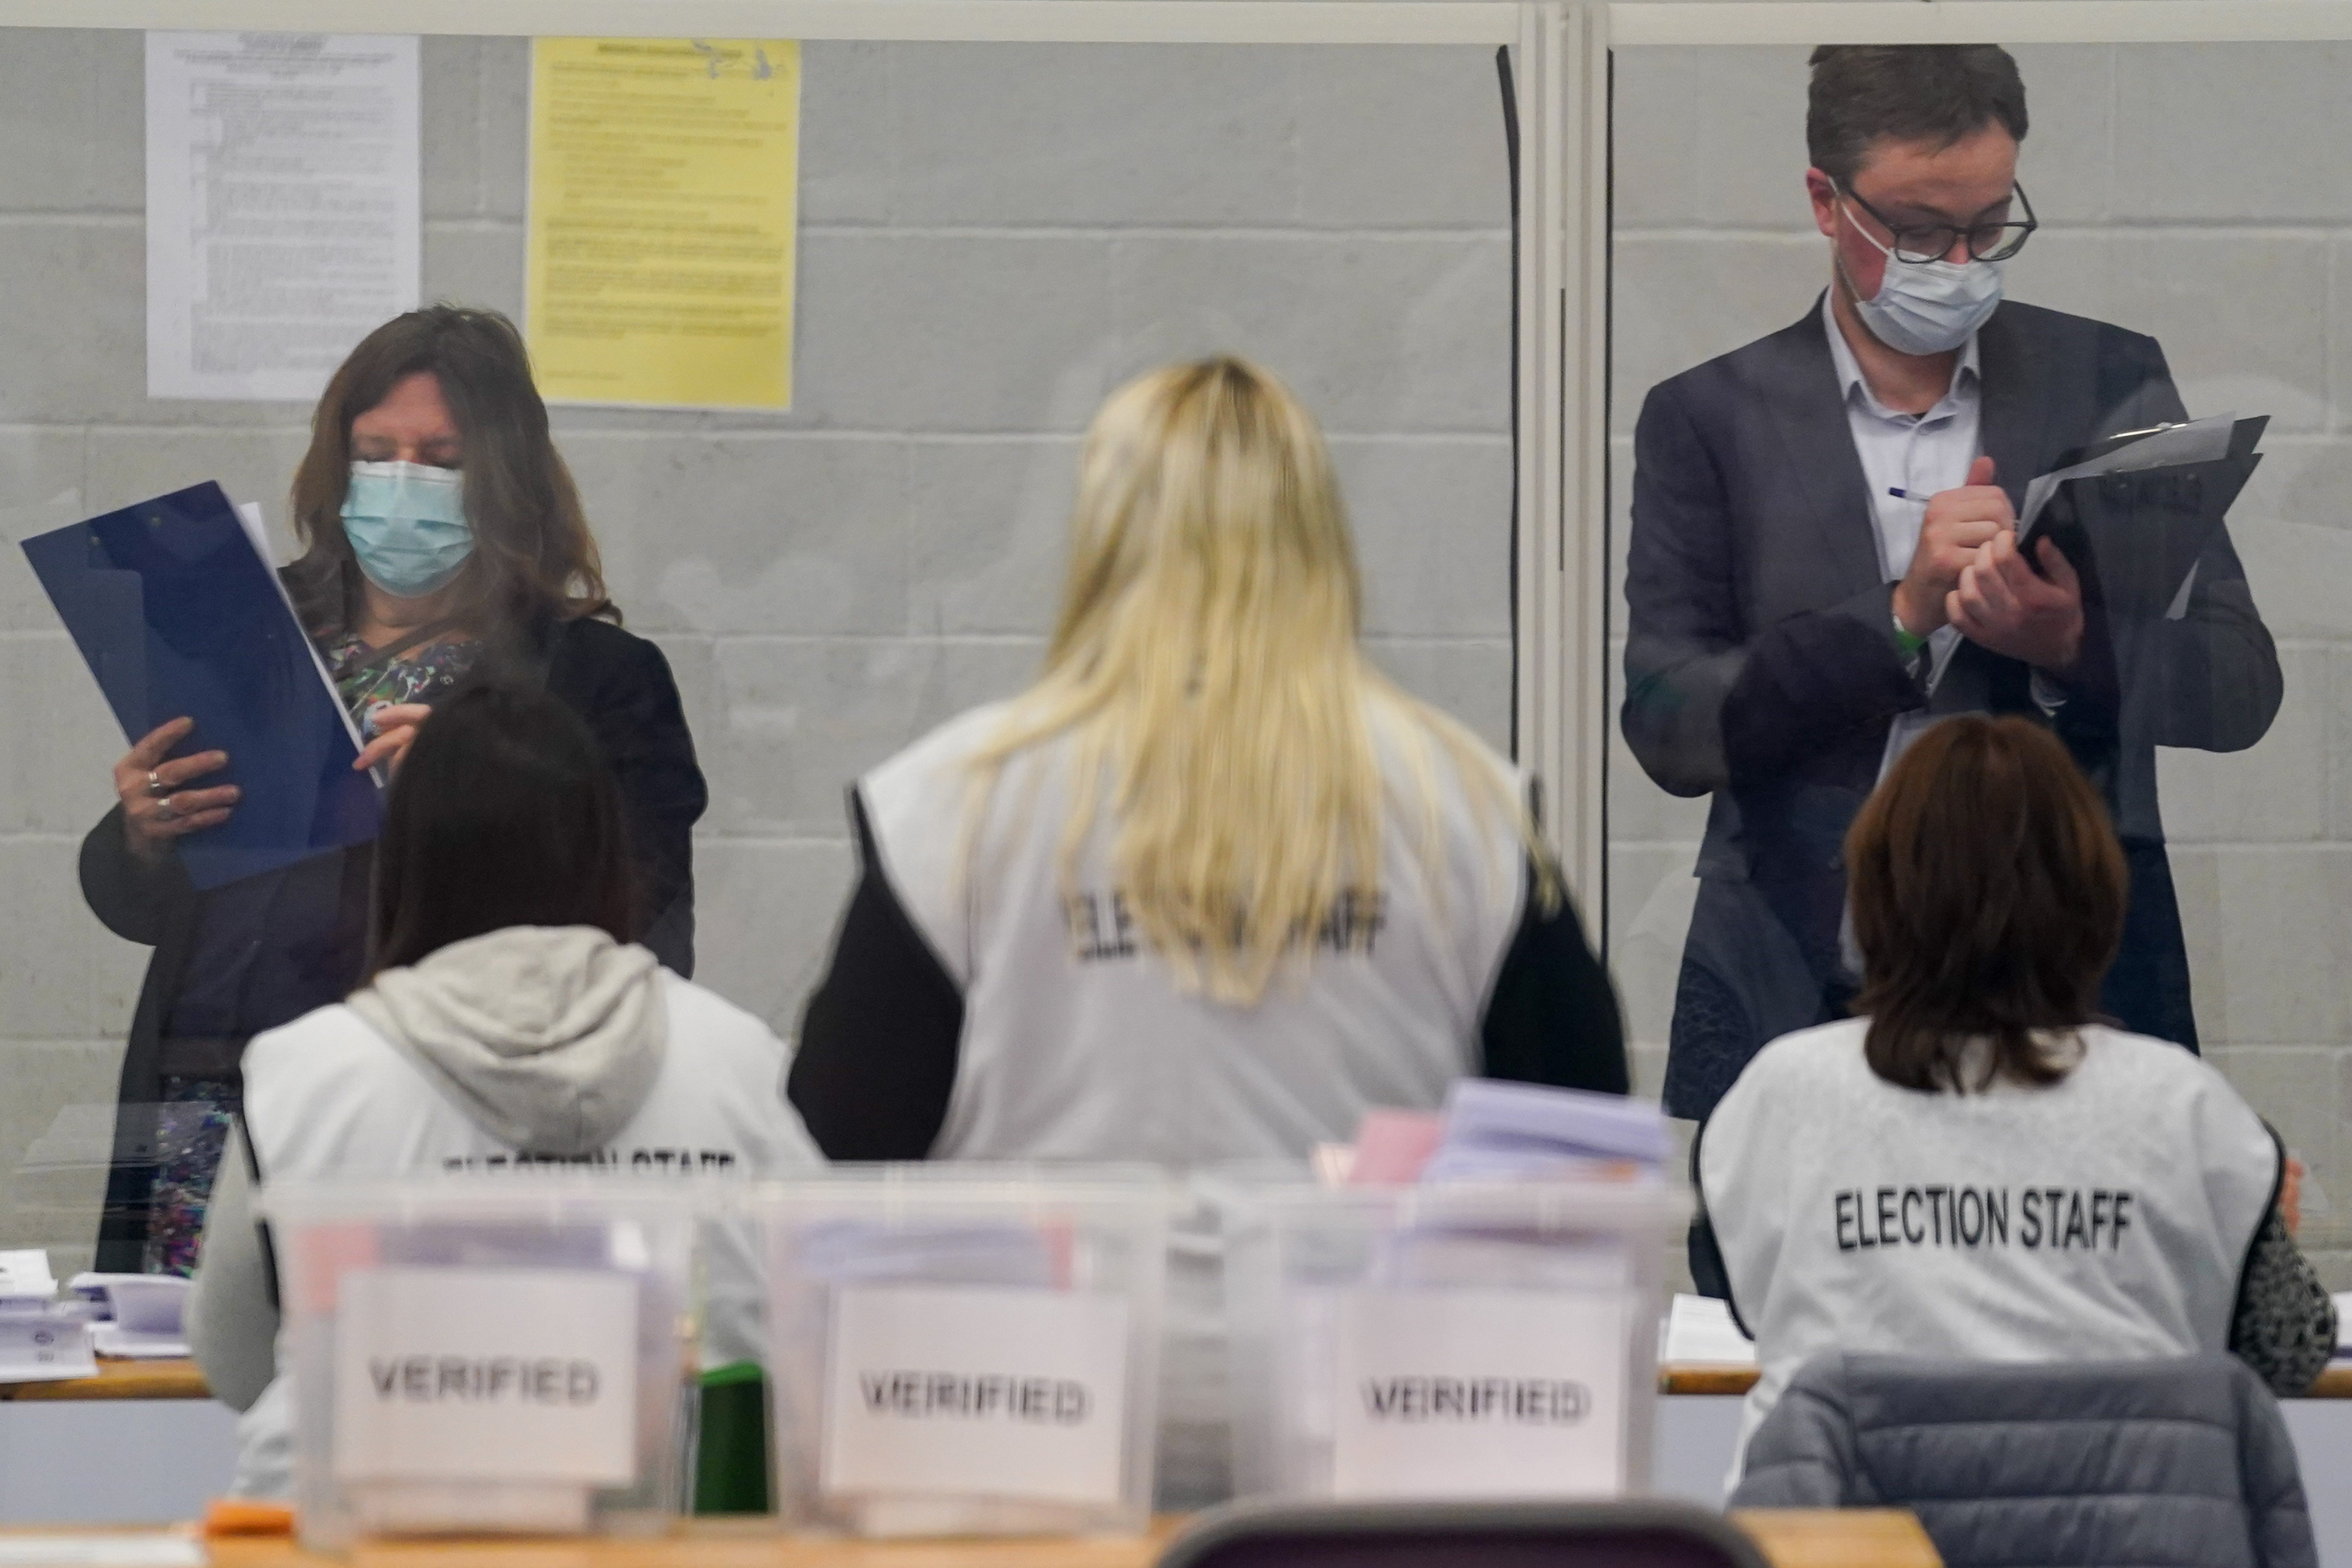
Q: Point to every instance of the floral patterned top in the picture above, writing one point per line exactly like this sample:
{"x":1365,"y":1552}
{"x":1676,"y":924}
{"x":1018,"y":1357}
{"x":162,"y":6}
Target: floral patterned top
{"x":419,"y":676}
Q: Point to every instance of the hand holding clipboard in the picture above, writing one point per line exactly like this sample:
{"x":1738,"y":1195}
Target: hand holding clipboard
{"x":178,"y":613}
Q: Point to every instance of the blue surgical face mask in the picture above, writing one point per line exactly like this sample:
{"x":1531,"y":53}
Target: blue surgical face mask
{"x":1926,"y":307}
{"x":408,"y":526}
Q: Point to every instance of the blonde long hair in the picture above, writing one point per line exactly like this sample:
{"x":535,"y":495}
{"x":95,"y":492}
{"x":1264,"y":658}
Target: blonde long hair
{"x":1205,"y":669}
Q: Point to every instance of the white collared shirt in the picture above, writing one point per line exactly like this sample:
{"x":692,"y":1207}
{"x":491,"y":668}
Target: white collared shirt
{"x":1917,"y":453}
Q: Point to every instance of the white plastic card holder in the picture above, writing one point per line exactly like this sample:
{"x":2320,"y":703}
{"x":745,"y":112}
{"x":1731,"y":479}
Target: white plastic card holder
{"x":1479,"y":1393}
{"x":486,"y":1374}
{"x":988,"y":1392}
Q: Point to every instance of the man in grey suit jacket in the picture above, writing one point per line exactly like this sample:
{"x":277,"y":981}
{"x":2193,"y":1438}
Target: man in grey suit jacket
{"x":1825,"y":556}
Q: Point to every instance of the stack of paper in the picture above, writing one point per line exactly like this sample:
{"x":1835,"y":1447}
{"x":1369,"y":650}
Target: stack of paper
{"x":40,"y":1340}
{"x":1515,"y":1132}
{"x":25,"y":1283}
{"x":136,"y":1316}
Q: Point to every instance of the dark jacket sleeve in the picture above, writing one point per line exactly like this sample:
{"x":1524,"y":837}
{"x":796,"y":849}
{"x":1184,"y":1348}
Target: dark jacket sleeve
{"x":1552,"y":1017}
{"x":2209,"y":678}
{"x":880,"y":1039}
{"x":1708,"y":700}
{"x":621,"y":684}
{"x":134,"y":899}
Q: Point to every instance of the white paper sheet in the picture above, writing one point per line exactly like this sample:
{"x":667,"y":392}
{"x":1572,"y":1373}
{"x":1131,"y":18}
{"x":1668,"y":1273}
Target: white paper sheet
{"x":119,"y":1343}
{"x":258,"y":530}
{"x":2199,"y":441}
{"x":952,"y":1391}
{"x":1699,"y":1331}
{"x":25,"y":1272}
{"x":1459,"y":1393}
{"x":283,"y":217}
{"x":486,"y":1374}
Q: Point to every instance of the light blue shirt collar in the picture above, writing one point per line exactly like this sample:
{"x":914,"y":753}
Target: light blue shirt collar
{"x":1851,"y":381}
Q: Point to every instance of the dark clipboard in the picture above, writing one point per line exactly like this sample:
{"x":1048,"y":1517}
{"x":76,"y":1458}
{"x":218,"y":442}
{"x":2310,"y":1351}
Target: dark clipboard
{"x":2136,"y":536}
{"x":177,"y":615}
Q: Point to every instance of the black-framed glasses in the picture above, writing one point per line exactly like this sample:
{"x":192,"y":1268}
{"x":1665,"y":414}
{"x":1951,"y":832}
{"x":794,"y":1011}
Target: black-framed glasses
{"x":1920,"y":244}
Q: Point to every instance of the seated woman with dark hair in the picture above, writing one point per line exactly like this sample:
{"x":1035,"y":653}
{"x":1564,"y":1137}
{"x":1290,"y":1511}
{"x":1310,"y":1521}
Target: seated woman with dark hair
{"x":1974,"y":1166}
{"x":507,"y":1017}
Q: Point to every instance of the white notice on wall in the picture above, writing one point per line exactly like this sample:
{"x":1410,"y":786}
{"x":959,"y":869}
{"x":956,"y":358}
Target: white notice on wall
{"x":1479,"y":1394}
{"x":495,"y":1374}
{"x":976,"y":1391}
{"x":282,"y":206}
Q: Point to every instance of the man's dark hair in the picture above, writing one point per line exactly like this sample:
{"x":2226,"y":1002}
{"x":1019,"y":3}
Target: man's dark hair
{"x":503,"y":814}
{"x":1988,"y":896}
{"x":1939,"y":93}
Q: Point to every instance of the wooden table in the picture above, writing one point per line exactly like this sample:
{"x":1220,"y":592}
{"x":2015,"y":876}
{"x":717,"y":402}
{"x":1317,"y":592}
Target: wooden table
{"x":120,"y":1379}
{"x":180,"y":1380}
{"x":1688,"y":1377}
{"x":1792,"y":1539}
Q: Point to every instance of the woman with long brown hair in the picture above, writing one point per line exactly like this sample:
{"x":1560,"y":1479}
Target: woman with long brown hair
{"x":1976,"y":1166}
{"x":443,"y":541}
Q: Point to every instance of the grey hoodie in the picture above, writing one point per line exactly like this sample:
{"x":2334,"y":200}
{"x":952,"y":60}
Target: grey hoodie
{"x":549,"y":1038}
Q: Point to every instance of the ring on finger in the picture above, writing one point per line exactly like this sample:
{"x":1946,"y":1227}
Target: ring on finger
{"x":156,"y":788}
{"x":164,"y":812}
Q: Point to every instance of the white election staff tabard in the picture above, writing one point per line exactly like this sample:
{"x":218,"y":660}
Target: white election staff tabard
{"x":1478,"y":1394}
{"x":493,"y":1375}
{"x":976,"y":1391}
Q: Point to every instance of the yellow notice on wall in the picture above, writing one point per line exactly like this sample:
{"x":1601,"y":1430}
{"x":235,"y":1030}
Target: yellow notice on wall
{"x":665,"y":180}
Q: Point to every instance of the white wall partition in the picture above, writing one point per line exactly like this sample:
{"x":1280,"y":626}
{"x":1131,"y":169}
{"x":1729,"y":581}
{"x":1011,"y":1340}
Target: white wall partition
{"x":1008,"y":207}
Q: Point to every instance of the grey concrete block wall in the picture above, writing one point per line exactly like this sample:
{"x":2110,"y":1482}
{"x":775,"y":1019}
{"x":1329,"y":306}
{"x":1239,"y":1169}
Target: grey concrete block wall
{"x":2190,"y":192}
{"x":994,"y":236}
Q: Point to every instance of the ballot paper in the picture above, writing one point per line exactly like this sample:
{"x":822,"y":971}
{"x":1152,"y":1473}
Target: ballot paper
{"x":284,"y":218}
{"x":1507,"y":1131}
{"x":138,"y":1317}
{"x":2167,"y":446}
{"x":25,"y":1279}
{"x":116,"y":1342}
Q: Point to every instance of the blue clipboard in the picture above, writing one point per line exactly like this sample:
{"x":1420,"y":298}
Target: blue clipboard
{"x":178,"y":616}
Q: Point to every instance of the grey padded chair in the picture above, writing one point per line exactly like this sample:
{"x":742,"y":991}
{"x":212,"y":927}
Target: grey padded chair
{"x":2154,"y":1464}
{"x":1642,"y":1533}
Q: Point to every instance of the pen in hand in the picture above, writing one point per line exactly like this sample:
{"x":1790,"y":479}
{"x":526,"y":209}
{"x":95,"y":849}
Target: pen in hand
{"x":1899,"y":493}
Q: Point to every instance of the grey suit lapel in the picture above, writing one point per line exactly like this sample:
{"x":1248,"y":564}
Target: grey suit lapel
{"x":1807,"y":408}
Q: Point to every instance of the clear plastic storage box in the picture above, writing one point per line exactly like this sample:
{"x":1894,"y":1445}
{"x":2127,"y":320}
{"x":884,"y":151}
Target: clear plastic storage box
{"x":959,"y":1349}
{"x":1429,"y":1342}
{"x":496,"y":1353}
